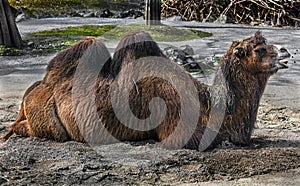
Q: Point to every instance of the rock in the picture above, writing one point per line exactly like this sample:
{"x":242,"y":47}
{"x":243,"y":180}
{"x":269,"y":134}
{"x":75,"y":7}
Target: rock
{"x":188,"y":50}
{"x":75,"y":14}
{"x":43,"y":14}
{"x":175,"y":53}
{"x":90,"y":14}
{"x":130,"y":13}
{"x":81,"y":14}
{"x":137,"y":14}
{"x":30,"y":44}
{"x":182,"y":56}
{"x":21,"y":17}
{"x":106,"y":13}
{"x":191,"y":62}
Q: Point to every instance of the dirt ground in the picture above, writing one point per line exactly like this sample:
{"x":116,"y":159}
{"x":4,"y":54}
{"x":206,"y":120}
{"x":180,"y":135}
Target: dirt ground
{"x":273,"y":158}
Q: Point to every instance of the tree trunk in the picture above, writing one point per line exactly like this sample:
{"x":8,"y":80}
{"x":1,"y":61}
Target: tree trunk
{"x":153,"y":12}
{"x":9,"y":33}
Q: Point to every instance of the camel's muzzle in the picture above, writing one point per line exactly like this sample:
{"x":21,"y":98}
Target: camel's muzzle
{"x":283,"y":58}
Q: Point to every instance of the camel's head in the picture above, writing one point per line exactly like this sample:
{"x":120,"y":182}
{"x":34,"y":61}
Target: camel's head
{"x":255,"y":56}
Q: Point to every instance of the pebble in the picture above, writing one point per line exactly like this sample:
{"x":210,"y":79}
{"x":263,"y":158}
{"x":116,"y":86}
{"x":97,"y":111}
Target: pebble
{"x":21,"y":17}
{"x":90,"y":14}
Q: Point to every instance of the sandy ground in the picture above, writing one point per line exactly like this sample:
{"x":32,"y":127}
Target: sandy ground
{"x":272,"y":159}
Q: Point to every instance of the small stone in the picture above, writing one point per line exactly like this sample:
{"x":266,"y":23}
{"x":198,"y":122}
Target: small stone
{"x":106,"y":13}
{"x":75,"y":14}
{"x":90,"y":14}
{"x":188,"y":50}
{"x":130,"y":13}
{"x":30,"y":44}
{"x":21,"y":17}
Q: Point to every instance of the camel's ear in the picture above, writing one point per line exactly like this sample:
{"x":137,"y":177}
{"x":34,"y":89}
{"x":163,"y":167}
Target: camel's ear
{"x":239,"y":52}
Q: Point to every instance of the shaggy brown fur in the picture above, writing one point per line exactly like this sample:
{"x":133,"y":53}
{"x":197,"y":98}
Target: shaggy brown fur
{"x":133,"y":46}
{"x":39,"y":111}
{"x":246,"y":67}
{"x":51,"y":110}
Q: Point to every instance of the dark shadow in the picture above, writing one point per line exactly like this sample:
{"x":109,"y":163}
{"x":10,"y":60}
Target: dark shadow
{"x":258,"y":143}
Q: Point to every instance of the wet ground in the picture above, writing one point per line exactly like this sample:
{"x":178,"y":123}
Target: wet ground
{"x":273,"y":158}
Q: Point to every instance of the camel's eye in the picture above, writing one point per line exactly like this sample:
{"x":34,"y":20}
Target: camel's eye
{"x":261,"y":52}
{"x":239,"y":52}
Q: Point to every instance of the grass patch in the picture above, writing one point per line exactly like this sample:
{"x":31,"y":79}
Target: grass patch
{"x":55,"y":40}
{"x":53,"y":46}
{"x":5,"y":51}
{"x":201,"y":34}
{"x":44,"y":3}
{"x":158,"y":32}
{"x":113,"y":32}
{"x":86,"y":30}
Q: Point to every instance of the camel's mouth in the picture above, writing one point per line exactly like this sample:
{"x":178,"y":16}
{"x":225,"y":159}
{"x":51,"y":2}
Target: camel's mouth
{"x":283,"y":58}
{"x":283,"y":63}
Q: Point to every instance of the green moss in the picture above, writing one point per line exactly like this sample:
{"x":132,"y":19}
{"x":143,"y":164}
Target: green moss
{"x":58,"y":39}
{"x":44,"y":3}
{"x":158,"y":32}
{"x":201,"y":34}
{"x":53,"y":46}
{"x":112,"y":32}
{"x":86,"y":30}
{"x":218,"y":59}
{"x":5,"y":51}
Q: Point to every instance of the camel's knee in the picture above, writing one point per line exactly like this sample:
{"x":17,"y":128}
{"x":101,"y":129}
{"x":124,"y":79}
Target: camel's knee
{"x":22,"y":129}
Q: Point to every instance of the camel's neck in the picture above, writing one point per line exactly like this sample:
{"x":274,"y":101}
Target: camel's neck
{"x":244,"y":91}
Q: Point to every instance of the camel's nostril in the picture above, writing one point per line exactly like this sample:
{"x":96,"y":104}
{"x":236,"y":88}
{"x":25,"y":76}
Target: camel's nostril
{"x":283,"y":50}
{"x":283,"y":53}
